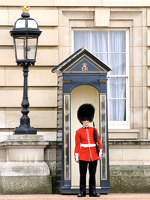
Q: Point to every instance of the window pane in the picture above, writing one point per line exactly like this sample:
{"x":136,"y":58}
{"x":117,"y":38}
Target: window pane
{"x":118,"y":64}
{"x":99,"y":41}
{"x":117,"y":87}
{"x":81,"y":39}
{"x":109,"y":47}
{"x":117,"y":41}
{"x":117,"y":110}
{"x":102,"y":56}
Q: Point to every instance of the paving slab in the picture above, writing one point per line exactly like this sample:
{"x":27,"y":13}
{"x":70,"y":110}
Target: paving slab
{"x":74,"y":197}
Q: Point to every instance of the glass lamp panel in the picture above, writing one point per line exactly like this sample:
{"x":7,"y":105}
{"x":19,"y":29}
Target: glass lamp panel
{"x":20,"y":47}
{"x":32,"y":47}
{"x":32,"y":24}
{"x":20,"y":24}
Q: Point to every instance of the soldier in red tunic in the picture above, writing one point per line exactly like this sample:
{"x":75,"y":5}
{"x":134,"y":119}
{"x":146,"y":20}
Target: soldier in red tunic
{"x":85,"y":150}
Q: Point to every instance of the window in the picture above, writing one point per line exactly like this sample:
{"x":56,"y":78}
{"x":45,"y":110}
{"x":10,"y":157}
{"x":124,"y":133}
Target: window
{"x":111,"y":47}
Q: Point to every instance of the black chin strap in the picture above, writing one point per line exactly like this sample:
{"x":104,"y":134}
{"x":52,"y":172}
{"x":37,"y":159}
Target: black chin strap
{"x":93,"y":125}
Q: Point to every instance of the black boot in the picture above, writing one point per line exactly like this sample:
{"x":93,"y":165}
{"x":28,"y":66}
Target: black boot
{"x":81,"y":195}
{"x":94,"y":194}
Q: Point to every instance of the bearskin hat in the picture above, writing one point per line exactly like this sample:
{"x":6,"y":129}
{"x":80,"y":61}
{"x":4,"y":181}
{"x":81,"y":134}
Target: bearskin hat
{"x":86,"y":112}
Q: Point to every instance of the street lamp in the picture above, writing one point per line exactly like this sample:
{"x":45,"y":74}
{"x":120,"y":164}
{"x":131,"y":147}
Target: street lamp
{"x":25,"y":34}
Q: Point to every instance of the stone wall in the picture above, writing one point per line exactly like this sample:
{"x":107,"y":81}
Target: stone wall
{"x":57,"y":20}
{"x":50,"y":159}
{"x":130,"y":178}
{"x":129,"y":166}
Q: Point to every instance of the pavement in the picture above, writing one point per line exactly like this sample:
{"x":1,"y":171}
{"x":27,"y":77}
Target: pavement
{"x":74,"y":197}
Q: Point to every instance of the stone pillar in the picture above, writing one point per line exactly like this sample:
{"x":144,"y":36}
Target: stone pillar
{"x":22,"y":168}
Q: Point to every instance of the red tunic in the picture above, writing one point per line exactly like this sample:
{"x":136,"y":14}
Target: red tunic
{"x":86,"y":136}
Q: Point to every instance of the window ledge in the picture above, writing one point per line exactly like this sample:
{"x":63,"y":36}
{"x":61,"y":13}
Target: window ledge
{"x":123,"y":134}
{"x":130,"y":142}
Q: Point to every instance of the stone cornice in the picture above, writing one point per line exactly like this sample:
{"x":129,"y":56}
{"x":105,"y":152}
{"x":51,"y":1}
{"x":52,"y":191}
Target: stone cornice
{"x":69,"y":3}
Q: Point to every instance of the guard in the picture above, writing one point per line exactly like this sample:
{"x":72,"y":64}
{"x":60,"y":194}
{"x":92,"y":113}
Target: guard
{"x":88,"y":149}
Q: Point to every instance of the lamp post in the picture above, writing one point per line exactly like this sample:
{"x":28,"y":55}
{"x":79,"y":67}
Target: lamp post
{"x":25,"y":34}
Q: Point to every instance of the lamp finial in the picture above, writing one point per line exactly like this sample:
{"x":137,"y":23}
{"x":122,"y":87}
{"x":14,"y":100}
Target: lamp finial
{"x":25,"y":8}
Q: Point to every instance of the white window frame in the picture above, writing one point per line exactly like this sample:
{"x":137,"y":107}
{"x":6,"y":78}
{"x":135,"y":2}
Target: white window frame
{"x":115,"y":124}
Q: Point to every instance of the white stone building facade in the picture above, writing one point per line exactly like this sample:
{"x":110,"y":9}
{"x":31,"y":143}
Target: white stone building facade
{"x":59,"y":20}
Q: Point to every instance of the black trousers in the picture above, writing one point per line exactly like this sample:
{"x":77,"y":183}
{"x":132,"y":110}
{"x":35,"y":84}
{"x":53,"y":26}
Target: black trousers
{"x":92,"y":171}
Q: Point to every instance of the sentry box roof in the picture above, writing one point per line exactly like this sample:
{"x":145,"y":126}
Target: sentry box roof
{"x":82,"y":61}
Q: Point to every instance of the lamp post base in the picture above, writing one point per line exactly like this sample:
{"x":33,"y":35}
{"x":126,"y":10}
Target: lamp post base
{"x":23,"y":130}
